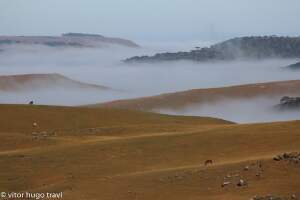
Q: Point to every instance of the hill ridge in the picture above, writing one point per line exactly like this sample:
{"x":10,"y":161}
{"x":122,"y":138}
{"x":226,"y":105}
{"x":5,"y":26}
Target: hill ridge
{"x":21,"y":82}
{"x":67,"y":40}
{"x":181,"y":99}
{"x":255,"y":47}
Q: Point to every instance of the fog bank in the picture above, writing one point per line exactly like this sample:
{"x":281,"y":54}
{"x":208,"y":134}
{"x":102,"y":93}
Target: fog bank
{"x":104,"y":67}
{"x":240,"y":110}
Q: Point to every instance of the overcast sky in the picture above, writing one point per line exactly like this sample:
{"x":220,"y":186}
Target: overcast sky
{"x":153,"y":20}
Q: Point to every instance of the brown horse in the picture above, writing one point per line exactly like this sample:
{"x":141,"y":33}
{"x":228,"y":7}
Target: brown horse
{"x":208,"y":162}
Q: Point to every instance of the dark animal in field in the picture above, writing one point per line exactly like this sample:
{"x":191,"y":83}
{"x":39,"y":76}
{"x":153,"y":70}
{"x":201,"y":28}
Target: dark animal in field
{"x":208,"y":162}
{"x":31,"y":102}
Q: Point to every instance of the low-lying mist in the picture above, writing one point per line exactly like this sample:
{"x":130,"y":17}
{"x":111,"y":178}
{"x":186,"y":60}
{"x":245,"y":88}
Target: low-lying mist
{"x":104,"y":67}
{"x":261,"y":109}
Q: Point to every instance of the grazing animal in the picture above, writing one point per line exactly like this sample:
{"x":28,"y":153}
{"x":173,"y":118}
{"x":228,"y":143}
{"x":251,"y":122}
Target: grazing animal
{"x":31,"y":102}
{"x":35,"y":124}
{"x":208,"y":162}
{"x":259,"y":163}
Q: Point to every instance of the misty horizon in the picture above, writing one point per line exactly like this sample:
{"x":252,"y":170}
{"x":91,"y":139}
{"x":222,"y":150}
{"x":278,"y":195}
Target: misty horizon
{"x":187,"y":20}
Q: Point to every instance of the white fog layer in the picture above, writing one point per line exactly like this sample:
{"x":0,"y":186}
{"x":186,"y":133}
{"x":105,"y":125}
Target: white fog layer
{"x":240,"y":110}
{"x":105,"y":67}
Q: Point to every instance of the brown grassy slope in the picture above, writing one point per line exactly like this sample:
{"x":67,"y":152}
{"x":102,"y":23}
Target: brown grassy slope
{"x":149,"y":164}
{"x":198,"y":183}
{"x":39,"y":81}
{"x":179,"y":100}
{"x":66,"y":121}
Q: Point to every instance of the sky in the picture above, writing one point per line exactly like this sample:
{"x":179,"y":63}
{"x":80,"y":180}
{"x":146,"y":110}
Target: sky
{"x":151,"y":20}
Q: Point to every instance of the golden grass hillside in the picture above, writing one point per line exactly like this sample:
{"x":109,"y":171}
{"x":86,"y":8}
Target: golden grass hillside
{"x":108,"y":154}
{"x":79,"y":121}
{"x":179,"y":100}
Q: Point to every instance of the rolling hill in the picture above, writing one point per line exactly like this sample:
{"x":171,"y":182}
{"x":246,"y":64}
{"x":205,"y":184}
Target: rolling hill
{"x":26,"y":82}
{"x":104,"y":153}
{"x":255,"y":47}
{"x":67,"y":40}
{"x":179,"y":100}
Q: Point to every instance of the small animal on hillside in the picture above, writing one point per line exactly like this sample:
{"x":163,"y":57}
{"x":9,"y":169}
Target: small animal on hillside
{"x":34,"y":124}
{"x":208,"y":162}
{"x":259,"y":164}
{"x":31,"y":103}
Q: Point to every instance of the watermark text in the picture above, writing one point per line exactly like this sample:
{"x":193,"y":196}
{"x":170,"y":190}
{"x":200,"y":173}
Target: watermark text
{"x":30,"y":195}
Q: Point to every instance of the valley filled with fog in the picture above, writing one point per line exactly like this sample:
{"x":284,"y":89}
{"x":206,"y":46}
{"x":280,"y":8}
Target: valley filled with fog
{"x":104,"y":66}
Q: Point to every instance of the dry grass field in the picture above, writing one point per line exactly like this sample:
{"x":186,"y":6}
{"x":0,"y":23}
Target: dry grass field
{"x":111,"y":154}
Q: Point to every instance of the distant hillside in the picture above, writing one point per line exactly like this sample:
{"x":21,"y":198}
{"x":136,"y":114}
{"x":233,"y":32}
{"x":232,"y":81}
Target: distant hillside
{"x":25,"y":82}
{"x":66,"y":40}
{"x":237,"y":48}
{"x":295,"y":66}
{"x":179,"y":100}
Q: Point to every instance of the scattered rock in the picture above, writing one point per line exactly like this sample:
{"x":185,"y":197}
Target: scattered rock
{"x":228,"y":176}
{"x":236,"y":175}
{"x":43,"y":134}
{"x":20,"y":156}
{"x":70,"y":176}
{"x":293,"y":196}
{"x":272,"y":197}
{"x":293,"y":157}
{"x":241,"y":183}
{"x":258,"y":175}
{"x":34,"y":134}
{"x":224,"y":184}
{"x":277,"y":158}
